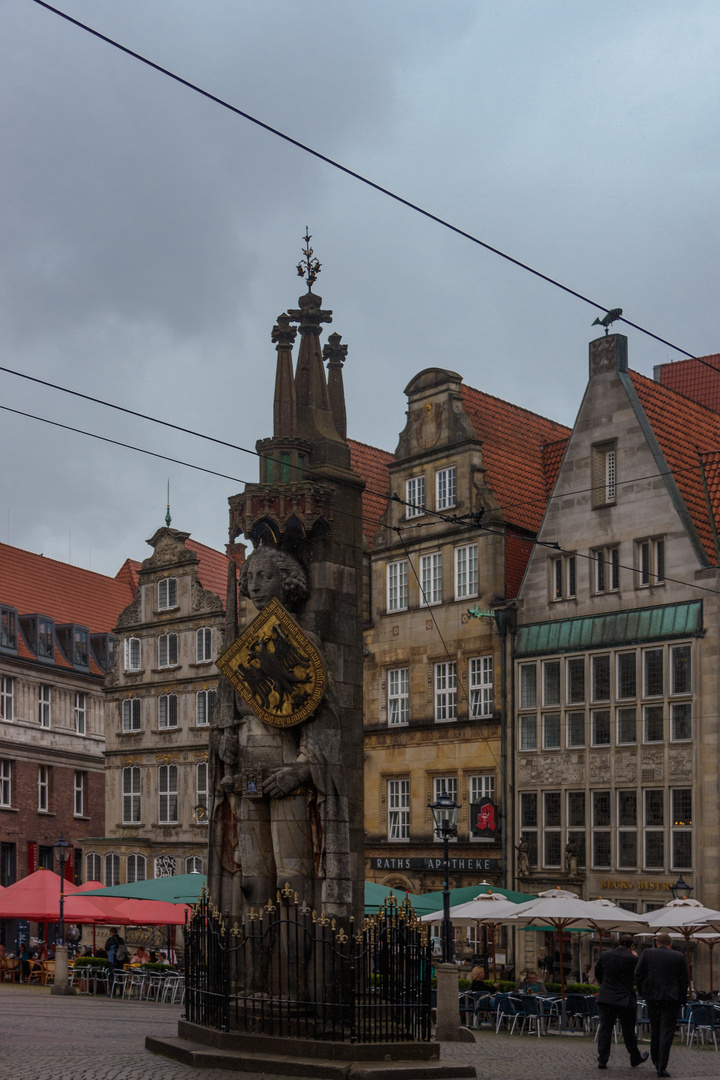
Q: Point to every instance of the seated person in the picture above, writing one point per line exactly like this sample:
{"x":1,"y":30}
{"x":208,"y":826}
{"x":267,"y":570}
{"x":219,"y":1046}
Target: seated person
{"x":531,"y":984}
{"x":142,"y":956}
{"x":478,"y":984}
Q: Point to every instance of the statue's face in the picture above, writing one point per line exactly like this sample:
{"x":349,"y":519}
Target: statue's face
{"x":263,"y":582}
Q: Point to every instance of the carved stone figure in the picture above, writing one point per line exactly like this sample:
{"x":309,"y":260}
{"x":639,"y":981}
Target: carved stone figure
{"x":523,"y":850}
{"x":571,"y":858}
{"x":280,"y":814}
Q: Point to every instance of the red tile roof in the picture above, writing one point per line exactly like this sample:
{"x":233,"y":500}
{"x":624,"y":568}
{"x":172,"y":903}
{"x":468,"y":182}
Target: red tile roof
{"x":512,"y":451}
{"x":213,"y":568}
{"x":372,"y":464}
{"x":68,"y":594}
{"x":694,"y":379}
{"x":686,"y":432}
{"x":552,"y":460}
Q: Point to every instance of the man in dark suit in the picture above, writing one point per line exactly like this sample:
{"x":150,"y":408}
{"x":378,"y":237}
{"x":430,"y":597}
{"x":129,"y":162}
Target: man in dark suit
{"x":615,"y":971}
{"x":661,"y":977}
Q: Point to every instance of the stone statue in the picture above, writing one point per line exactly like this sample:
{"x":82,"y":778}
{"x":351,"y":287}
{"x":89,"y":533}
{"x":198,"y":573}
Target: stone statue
{"x":571,"y":858}
{"x":281,"y":813}
{"x":523,"y":850}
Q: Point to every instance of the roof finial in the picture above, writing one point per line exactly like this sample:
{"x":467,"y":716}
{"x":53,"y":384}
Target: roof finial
{"x":308,"y":265}
{"x":168,"y":519}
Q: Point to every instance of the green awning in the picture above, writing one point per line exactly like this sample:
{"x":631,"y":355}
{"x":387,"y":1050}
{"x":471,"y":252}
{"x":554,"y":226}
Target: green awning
{"x":616,"y":628}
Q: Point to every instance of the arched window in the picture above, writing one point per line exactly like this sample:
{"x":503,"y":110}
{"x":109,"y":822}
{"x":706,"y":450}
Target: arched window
{"x":93,"y":867}
{"x":167,"y":593}
{"x":112,"y":869}
{"x":131,"y":714}
{"x":136,"y":868}
{"x":167,"y":650}
{"x":167,"y":710}
{"x":194,"y":865}
{"x":132,"y":654}
{"x":203,"y":643}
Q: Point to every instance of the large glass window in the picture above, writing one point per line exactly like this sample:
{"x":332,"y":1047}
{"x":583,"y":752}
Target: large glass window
{"x":397,"y":586}
{"x":529,"y":825}
{"x":653,"y":672}
{"x":79,"y":790}
{"x":131,"y":795}
{"x":204,"y":704}
{"x":44,"y":699}
{"x":681,"y":682}
{"x":93,"y":867}
{"x":681,"y":722}
{"x":167,"y":795}
{"x":415,"y":496}
{"x":7,"y":697}
{"x":552,"y":835}
{"x":528,"y":686}
{"x":601,"y":835}
{"x":600,"y":726}
{"x":446,"y":690}
{"x":131,"y":714}
{"x":132,"y":654}
{"x":398,"y":796}
{"x":167,"y":650}
{"x":527,"y":732}
{"x":551,"y":682}
{"x":203,"y":644}
{"x":551,"y":731}
{"x":112,"y":870}
{"x":480,"y":670}
{"x":627,"y":725}
{"x":398,"y":696}
{"x":653,"y":723}
{"x":575,"y":729}
{"x":445,"y":488}
{"x":136,"y":868}
{"x":80,"y":712}
{"x":576,"y":680}
{"x":600,"y":666}
{"x":654,"y":828}
{"x":627,"y":675}
{"x":466,"y":571}
{"x":167,"y":593}
{"x":201,"y":790}
{"x":167,"y":710}
{"x":431,"y":578}
{"x":682,"y":821}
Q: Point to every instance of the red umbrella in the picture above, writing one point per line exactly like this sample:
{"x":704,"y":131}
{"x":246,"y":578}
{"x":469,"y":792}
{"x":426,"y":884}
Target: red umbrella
{"x":37,"y":897}
{"x":149,"y":912}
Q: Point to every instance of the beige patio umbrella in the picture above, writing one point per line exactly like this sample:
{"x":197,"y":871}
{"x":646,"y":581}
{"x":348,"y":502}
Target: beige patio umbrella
{"x":686,"y":917}
{"x":487,"y":909}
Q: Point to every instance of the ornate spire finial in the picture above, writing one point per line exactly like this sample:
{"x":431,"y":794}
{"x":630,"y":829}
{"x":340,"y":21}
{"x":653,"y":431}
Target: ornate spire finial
{"x":168,"y":519}
{"x":308,"y":265}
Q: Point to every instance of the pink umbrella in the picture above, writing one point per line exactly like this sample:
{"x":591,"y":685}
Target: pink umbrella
{"x":37,"y":897}
{"x":150,"y":912}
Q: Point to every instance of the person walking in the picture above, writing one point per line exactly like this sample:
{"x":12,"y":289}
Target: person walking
{"x":661,"y":977}
{"x":615,"y":971}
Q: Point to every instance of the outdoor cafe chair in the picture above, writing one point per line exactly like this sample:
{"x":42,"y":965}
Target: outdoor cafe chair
{"x":35,"y":972}
{"x":170,"y":988}
{"x":484,"y":1009}
{"x":11,"y":969}
{"x":121,"y":978}
{"x":578,"y":1011}
{"x":134,"y":986}
{"x":532,"y":1013}
{"x":703,"y":1020}
{"x":48,"y":974}
{"x":508,"y":1013}
{"x":466,"y":1004}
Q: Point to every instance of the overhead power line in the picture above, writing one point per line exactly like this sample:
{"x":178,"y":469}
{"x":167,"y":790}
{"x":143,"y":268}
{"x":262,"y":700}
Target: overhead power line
{"x":355,"y":175}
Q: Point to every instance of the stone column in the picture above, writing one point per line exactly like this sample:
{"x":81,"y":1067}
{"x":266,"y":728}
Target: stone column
{"x":448,"y":1027}
{"x":61,"y":984}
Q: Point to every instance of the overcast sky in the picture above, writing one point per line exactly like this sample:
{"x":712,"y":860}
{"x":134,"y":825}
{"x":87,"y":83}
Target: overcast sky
{"x":150,"y":237}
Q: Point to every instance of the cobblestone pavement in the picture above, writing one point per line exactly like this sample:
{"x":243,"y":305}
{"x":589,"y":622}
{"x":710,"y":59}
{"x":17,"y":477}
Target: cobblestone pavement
{"x":93,"y":1038}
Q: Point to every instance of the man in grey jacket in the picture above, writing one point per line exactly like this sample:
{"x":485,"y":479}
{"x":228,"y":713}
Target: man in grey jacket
{"x":661,"y":976}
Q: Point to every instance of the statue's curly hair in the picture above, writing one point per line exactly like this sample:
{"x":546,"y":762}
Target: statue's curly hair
{"x":295,"y":584}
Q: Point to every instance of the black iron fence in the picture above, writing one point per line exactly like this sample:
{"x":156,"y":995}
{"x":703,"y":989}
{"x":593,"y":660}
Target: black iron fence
{"x":287,"y":971}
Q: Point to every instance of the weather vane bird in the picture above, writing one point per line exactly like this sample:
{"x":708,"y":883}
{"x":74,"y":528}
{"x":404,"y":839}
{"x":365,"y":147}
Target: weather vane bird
{"x":611,"y":317}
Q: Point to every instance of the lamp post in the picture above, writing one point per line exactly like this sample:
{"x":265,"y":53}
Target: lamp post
{"x":445,"y":814}
{"x":680,"y":887}
{"x":62,"y":853}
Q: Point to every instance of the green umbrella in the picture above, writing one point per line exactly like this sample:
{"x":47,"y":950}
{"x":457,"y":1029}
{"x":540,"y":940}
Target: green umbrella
{"x":428,"y":902}
{"x":376,"y":895}
{"x":179,"y":889}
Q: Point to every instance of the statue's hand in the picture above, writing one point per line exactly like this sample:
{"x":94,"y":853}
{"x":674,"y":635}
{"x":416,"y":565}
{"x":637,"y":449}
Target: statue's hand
{"x":283,"y":781}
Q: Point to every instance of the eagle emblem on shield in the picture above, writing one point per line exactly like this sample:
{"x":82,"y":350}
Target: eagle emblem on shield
{"x":275,"y":668}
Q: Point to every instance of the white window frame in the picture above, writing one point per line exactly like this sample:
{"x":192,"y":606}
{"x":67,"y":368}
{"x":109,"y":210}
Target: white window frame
{"x":551,"y":728}
{"x":194,"y":865}
{"x":167,"y":650}
{"x":168,"y":711}
{"x":79,"y":785}
{"x":415,"y":496}
{"x":135,"y":868}
{"x":44,"y":702}
{"x":654,"y":829}
{"x":624,"y":829}
{"x":570,"y":741}
{"x":680,"y":828}
{"x":397,"y":585}
{"x":7,"y":697}
{"x":398,"y":696}
{"x":398,"y":802}
{"x":204,"y":703}
{"x":203,"y":645}
{"x":93,"y":866}
{"x":112,"y":869}
{"x":480,"y":687}
{"x":81,"y":712}
{"x":606,"y":567}
{"x":167,"y":593}
{"x":131,"y":713}
{"x":563,"y":577}
{"x":167,"y":795}
{"x":445,"y":691}
{"x":599,"y":829}
{"x":132,"y":795}
{"x":446,"y":487}
{"x":133,"y":653}
{"x":449,"y":785}
{"x":202,"y":787}
{"x":528,"y":688}
{"x":650,"y":562}
{"x":552,"y":830}
{"x":431,"y":579}
{"x":527,"y":732}
{"x":43,"y":804}
{"x":466,"y":571}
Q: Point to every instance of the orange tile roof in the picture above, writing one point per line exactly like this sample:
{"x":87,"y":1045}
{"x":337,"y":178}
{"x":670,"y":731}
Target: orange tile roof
{"x":513,"y":441}
{"x":68,"y":594}
{"x":213,"y":568}
{"x":694,"y":379}
{"x":552,"y":460}
{"x":372,"y":464}
{"x":686,"y":431}
{"x":130,"y":573}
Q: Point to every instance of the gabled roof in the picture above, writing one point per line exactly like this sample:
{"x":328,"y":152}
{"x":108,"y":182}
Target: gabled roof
{"x":687,"y":433}
{"x":512,"y":452}
{"x":693,"y":378}
{"x":213,"y":568}
{"x":68,"y":594}
{"x":372,"y":465}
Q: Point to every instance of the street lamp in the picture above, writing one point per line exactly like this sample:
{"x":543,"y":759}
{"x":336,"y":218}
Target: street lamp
{"x":62,"y":853}
{"x":680,"y":887}
{"x":445,"y":814}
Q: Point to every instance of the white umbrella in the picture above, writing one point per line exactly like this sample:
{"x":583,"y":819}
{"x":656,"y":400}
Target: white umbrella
{"x":563,"y":910}
{"x":684,"y":916}
{"x":487,"y":909}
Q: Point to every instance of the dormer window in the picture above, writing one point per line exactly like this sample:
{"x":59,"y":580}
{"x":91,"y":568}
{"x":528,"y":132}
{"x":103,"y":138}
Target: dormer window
{"x":45,"y":637}
{"x":103,"y":647}
{"x":167,"y":593}
{"x":81,"y":640}
{"x":8,"y":628}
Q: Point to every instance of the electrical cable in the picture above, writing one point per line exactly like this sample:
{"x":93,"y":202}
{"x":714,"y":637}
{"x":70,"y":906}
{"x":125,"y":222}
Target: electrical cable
{"x":355,"y":175}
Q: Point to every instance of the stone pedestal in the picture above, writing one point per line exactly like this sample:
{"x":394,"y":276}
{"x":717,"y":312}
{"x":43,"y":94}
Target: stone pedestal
{"x":61,"y":984}
{"x":448,"y":1008}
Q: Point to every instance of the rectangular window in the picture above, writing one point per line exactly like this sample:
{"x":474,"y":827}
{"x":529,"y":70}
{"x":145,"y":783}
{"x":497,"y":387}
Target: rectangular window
{"x":81,"y":644}
{"x":136,"y":868}
{"x":167,"y":794}
{"x":80,"y":712}
{"x":627,"y":725}
{"x":415,"y":496}
{"x":131,"y":714}
{"x":654,"y":799}
{"x":681,"y":722}
{"x":79,"y":785}
{"x":204,"y":703}
{"x":604,"y":474}
{"x":444,"y":785}
{"x":680,"y":680}
{"x":600,"y":666}
{"x":681,"y":851}
{"x":431,"y":579}
{"x":653,"y":681}
{"x":466,"y":571}
{"x":607,"y":569}
{"x":527,"y":733}
{"x":446,"y":691}
{"x":46,"y":638}
{"x":201,"y":791}
{"x":551,"y":682}
{"x":167,"y":650}
{"x":398,"y":696}
{"x":132,"y":654}
{"x":600,"y":727}
{"x":43,"y":788}
{"x":445,"y":488}
{"x":397,"y":586}
{"x":551,"y":731}
{"x":576,"y":809}
{"x":131,"y":795}
{"x":650,"y":562}
{"x":7,"y":697}
{"x":93,"y":871}
{"x":8,"y":628}
{"x":112,"y":870}
{"x":398,"y":797}
{"x":627,"y":849}
{"x":528,"y":686}
{"x":601,"y":837}
{"x":481,"y":787}
{"x":44,"y":697}
{"x":480,"y":671}
{"x":167,"y":593}
{"x":653,"y":723}
{"x":575,"y":671}
{"x":626,"y":675}
{"x":627,"y":808}
{"x":552,"y":836}
{"x":167,"y":711}
{"x":564,"y":577}
{"x":203,"y":645}
{"x":529,"y":826}
{"x":575,"y":729}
